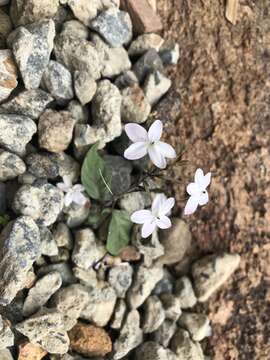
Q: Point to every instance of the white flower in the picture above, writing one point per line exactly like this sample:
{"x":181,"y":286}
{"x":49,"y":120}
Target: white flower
{"x":197,"y":192}
{"x":150,"y":143}
{"x":73,"y":192}
{"x":156,"y":217}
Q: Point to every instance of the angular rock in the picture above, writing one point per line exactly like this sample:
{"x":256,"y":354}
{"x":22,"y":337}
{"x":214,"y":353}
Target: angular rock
{"x":11,"y":165}
{"x":130,"y":336}
{"x":62,"y":235}
{"x":153,"y":351}
{"x":5,"y":354}
{"x":120,"y":278}
{"x":106,"y":106}
{"x":171,"y":305}
{"x":144,"y":282}
{"x":41,"y":292}
{"x":55,"y":129}
{"x":83,"y":10}
{"x":184,"y":347}
{"x":64,"y":270}
{"x":176,"y":241}
{"x":8,"y":74}
{"x":211,"y":272}
{"x":79,"y":113}
{"x":86,"y":277}
{"x":32,"y":46}
{"x":198,"y":325}
{"x":70,"y":300}
{"x":28,"y":11}
{"x":100,"y":307}
{"x":156,"y":85}
{"x":169,"y":53}
{"x":165,"y":332}
{"x":185,"y":293}
{"x":43,"y":202}
{"x":147,"y":63}
{"x":75,"y":28}
{"x":126,"y":79}
{"x":5,"y":28}
{"x":3,"y":198}
{"x":144,"y":18}
{"x":29,"y":103}
{"x":114,"y":26}
{"x":28,"y":351}
{"x":48,"y":244}
{"x":85,"y":86}
{"x":154,"y":314}
{"x":15,"y":132}
{"x":62,"y":255}
{"x":89,"y":340}
{"x":6,"y":335}
{"x":87,"y":251}
{"x":76,"y":215}
{"x":135,"y":106}
{"x":58,"y":81}
{"x":165,"y":285}
{"x":57,"y":342}
{"x":51,"y":166}
{"x":145,"y":42}
{"x":118,"y":316}
{"x":19,"y":248}
{"x":134,"y":201}
{"x":77,"y":54}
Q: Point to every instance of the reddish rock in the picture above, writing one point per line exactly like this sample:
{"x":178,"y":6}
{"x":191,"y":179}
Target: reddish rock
{"x":130,"y":253}
{"x":28,"y":351}
{"x":89,"y":340}
{"x":143,"y":16}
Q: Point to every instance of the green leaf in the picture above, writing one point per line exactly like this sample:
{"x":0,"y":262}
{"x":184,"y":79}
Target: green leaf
{"x":119,"y":231}
{"x":95,"y":175}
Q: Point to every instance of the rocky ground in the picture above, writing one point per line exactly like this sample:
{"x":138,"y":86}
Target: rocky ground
{"x":219,"y":108}
{"x":71,"y":75}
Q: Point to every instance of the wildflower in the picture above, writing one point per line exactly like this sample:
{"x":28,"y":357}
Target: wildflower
{"x":156,"y":217}
{"x":197,"y":191}
{"x":74,"y":193}
{"x":148,"y":143}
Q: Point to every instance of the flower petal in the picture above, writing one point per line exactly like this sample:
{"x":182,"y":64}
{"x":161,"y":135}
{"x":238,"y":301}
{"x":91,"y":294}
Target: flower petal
{"x":206,"y":180}
{"x":136,"y":151}
{"x":148,"y":228}
{"x":141,"y":216}
{"x":204,"y":198}
{"x":164,"y":222}
{"x":155,"y":131}
{"x":136,"y":132}
{"x":63,"y":187}
{"x":166,"y":207}
{"x":68,"y":200}
{"x":193,"y":189}
{"x":79,"y":198}
{"x":191,"y":205}
{"x":158,"y":201}
{"x":157,"y":158}
{"x":166,"y":149}
{"x":78,"y":188}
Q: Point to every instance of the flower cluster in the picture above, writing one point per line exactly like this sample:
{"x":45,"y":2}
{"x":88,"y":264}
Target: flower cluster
{"x":74,"y":193}
{"x":144,"y":143}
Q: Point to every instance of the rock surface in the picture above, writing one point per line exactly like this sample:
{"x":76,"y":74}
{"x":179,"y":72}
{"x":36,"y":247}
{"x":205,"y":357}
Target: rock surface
{"x":154,"y":314}
{"x":11,"y":165}
{"x":120,"y":278}
{"x":28,"y":351}
{"x":6,"y":335}
{"x":8,"y":74}
{"x":135,"y":106}
{"x":19,"y":248}
{"x":184,"y":347}
{"x":185,"y":293}
{"x":145,"y":42}
{"x":89,"y":340}
{"x":42,"y":201}
{"x":210,"y":272}
{"x":198,"y":325}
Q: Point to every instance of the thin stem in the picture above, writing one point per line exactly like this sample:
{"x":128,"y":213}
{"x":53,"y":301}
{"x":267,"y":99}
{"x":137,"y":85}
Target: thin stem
{"x":105,"y":183}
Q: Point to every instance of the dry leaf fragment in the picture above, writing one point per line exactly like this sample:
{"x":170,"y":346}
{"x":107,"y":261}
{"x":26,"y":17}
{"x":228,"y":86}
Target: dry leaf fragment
{"x":231,"y":10}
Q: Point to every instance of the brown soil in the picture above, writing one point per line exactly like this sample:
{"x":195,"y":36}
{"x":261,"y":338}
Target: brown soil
{"x":219,"y":107}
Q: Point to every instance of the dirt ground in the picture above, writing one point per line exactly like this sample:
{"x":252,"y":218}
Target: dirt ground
{"x":219,"y":107}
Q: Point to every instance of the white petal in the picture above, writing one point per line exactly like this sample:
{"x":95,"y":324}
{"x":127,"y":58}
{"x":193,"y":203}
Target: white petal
{"x":206,"y":180}
{"x":78,"y":188}
{"x":166,"y":149}
{"x":136,"y":151}
{"x":155,"y":131}
{"x":199,"y":176}
{"x":191,"y":205}
{"x":63,"y":187}
{"x":166,"y":206}
{"x":136,"y":132}
{"x":193,"y":189}
{"x":68,"y":199}
{"x":158,"y":201}
{"x":204,"y":198}
{"x":148,"y":228}
{"x":141,"y":216}
{"x":79,"y":198}
{"x":164,"y":222}
{"x":157,"y":158}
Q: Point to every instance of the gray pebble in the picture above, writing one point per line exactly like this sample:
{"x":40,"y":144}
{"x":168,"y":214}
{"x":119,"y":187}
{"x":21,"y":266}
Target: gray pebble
{"x":11,"y":165}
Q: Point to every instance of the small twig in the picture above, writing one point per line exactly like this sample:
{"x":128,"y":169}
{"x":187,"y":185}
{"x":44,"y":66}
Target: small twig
{"x":105,"y":183}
